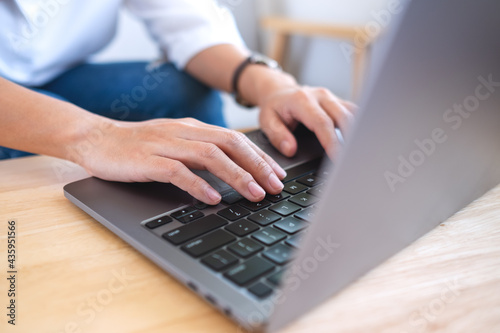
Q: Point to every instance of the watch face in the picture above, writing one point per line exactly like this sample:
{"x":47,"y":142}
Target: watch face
{"x":263,"y":60}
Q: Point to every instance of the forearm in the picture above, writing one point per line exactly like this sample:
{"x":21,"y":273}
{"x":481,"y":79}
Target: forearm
{"x":39,"y":124}
{"x":216,"y":66}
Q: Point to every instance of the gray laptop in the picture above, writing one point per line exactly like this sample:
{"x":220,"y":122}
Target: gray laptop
{"x":426,"y":143}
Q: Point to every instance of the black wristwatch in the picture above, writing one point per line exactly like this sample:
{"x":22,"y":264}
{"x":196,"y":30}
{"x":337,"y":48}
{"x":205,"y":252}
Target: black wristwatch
{"x":254,"y":59}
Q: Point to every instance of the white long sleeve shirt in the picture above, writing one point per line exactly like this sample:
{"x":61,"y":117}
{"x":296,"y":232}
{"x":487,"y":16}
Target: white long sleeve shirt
{"x":40,"y":39}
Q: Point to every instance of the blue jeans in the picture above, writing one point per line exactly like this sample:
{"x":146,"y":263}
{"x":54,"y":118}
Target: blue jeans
{"x":133,"y":91}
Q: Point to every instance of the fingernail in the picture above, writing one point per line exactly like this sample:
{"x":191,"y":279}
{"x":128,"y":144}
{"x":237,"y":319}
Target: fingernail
{"x":213,"y":195}
{"x":280,"y":171}
{"x":256,"y":190}
{"x":275,"y":182}
{"x":285,"y":147}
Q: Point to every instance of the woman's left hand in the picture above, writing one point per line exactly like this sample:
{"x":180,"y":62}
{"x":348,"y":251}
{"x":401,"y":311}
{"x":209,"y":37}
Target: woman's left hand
{"x":317,"y":108}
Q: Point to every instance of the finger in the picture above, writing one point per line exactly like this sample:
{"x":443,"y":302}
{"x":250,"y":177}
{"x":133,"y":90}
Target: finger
{"x":208,"y":156}
{"x":338,"y":112}
{"x":353,"y":108}
{"x":237,"y":149}
{"x":278,"y":133}
{"x":166,"y":170}
{"x":278,"y":170}
{"x":312,"y":115}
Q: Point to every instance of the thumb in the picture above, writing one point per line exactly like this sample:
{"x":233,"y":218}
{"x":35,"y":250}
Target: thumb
{"x":278,"y":133}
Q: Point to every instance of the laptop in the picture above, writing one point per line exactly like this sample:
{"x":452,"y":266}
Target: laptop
{"x":426,"y":143}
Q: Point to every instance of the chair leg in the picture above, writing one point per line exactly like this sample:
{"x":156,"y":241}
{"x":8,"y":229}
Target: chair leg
{"x":278,"y":47}
{"x":359,"y":66}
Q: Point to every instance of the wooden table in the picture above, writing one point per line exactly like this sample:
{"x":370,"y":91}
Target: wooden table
{"x":76,"y":276}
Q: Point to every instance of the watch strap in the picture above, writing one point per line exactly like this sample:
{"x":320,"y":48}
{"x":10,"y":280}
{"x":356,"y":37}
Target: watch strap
{"x":254,"y":59}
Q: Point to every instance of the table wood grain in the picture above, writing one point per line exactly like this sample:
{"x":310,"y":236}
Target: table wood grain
{"x":76,"y":276}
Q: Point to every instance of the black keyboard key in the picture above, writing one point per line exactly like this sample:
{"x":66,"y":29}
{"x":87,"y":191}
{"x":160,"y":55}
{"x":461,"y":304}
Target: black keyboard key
{"x":310,"y":180}
{"x":277,"y":197}
{"x":294,"y":240}
{"x":264,"y":217}
{"x":255,"y":206}
{"x":269,"y":236}
{"x":200,"y":205}
{"x":159,"y":222}
{"x":208,"y":243}
{"x":304,"y":200}
{"x":279,"y":254}
{"x":317,"y":191}
{"x":285,"y":208}
{"x":190,"y":217}
{"x":245,"y":247}
{"x":234,"y":212}
{"x":290,"y":225}
{"x":249,"y":271}
{"x":307,"y":214}
{"x":276,"y":278}
{"x":231,"y":197}
{"x":182,"y":212}
{"x":242,"y":228}
{"x":219,"y":260}
{"x":260,"y":290}
{"x":194,"y":229}
{"x":294,"y":188}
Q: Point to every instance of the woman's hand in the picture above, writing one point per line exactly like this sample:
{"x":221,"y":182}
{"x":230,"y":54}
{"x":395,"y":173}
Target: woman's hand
{"x":317,"y":108}
{"x":164,"y":150}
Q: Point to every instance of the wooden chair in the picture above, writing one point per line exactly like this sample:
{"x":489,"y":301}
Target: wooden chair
{"x":284,"y":28}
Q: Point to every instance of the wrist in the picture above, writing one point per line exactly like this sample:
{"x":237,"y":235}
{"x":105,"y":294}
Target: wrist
{"x":258,"y":82}
{"x":85,"y":136}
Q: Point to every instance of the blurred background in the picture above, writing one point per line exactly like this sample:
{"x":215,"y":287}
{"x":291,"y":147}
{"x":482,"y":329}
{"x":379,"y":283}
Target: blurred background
{"x":313,"y":60}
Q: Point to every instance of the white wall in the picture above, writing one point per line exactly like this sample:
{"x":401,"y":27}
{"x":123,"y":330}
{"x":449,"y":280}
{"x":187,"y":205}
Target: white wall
{"x":315,"y":61}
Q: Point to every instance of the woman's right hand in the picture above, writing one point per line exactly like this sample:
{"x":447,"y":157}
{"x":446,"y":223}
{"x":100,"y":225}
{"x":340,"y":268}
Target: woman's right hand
{"x":164,"y":150}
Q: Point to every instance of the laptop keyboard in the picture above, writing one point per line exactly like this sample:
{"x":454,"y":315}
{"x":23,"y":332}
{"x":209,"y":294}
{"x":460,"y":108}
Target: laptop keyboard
{"x":249,"y":243}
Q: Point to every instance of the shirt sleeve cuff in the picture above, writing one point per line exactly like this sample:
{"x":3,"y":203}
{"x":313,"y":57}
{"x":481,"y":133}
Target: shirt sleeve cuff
{"x":199,"y":39}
